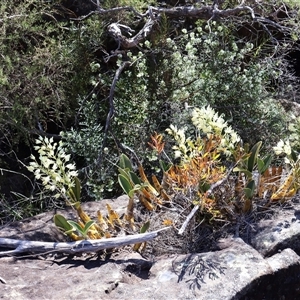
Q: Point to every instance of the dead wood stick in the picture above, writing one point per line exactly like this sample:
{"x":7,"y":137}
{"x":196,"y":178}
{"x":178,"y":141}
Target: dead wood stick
{"x":22,"y":246}
{"x":187,"y":220}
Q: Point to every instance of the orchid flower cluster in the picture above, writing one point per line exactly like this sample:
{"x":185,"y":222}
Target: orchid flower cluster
{"x":286,"y":147}
{"x":182,"y":149}
{"x":53,"y":167}
{"x":209,"y":123}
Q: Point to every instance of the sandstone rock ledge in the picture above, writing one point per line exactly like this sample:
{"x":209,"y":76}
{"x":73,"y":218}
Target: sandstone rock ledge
{"x":267,"y":268}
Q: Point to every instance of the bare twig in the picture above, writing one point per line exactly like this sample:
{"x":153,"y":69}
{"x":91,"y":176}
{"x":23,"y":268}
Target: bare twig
{"x":101,"y":11}
{"x":111,"y":107}
{"x":188,"y":219}
{"x":22,"y":246}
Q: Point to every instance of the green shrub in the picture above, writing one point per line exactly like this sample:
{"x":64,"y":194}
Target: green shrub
{"x":206,"y":66}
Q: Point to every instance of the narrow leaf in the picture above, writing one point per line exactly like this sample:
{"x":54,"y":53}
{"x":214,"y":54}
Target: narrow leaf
{"x":145,"y":227}
{"x":125,"y":173}
{"x":263,"y":165}
{"x":253,"y":157}
{"x":77,"y":189}
{"x":294,"y":155}
{"x":87,"y":226}
{"x":164,"y":166}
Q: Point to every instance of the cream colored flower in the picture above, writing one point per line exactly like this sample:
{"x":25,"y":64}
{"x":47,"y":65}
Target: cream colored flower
{"x":278,"y":149}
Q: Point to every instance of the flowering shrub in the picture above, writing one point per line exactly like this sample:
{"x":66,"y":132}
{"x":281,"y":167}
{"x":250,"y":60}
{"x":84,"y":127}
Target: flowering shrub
{"x":53,"y":168}
{"x":200,"y":67}
{"x":289,"y":148}
{"x":59,"y":175}
{"x":208,"y":66}
{"x":207,"y":123}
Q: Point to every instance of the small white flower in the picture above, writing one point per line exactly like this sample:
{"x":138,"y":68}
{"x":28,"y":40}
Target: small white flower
{"x":287,"y":148}
{"x":46,"y":180}
{"x":52,"y":188}
{"x":278,"y":149}
{"x":58,"y":178}
{"x":177,"y":153}
{"x":30,"y":169}
{"x":46,"y":162}
{"x":73,"y":173}
{"x":70,"y":166}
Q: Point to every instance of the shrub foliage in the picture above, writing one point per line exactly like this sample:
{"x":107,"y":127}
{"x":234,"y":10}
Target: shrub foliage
{"x":65,"y":75}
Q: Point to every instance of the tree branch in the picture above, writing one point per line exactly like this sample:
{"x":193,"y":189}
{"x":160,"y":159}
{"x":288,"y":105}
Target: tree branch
{"x":101,"y":11}
{"x":205,"y":12}
{"x":114,"y":30}
{"x":111,"y":107}
{"x":23,"y":246}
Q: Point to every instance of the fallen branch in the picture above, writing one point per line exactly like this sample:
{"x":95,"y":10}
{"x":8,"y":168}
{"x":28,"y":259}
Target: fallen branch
{"x":23,"y":246}
{"x":187,"y":220}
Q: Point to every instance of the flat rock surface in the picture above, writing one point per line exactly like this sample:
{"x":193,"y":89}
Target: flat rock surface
{"x":280,"y":232}
{"x":266,"y":268}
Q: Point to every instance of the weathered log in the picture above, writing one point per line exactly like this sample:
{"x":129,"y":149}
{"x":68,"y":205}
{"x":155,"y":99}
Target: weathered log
{"x":25,"y":246}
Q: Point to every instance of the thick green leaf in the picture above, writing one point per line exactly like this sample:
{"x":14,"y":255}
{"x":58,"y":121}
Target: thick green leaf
{"x":268,"y":160}
{"x":204,"y":186}
{"x":125,"y":173}
{"x":250,"y":189}
{"x":253,"y":157}
{"x":260,"y":165}
{"x":135,"y":179}
{"x":125,"y":184}
{"x":143,"y":229}
{"x":246,"y":147}
{"x":263,"y":164}
{"x":61,"y":222}
{"x":125,"y":162}
{"x":76,"y":226}
{"x":88,"y":225}
{"x":136,"y":188}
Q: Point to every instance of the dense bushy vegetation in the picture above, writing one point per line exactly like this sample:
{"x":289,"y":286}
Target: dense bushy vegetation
{"x":64,"y":75}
